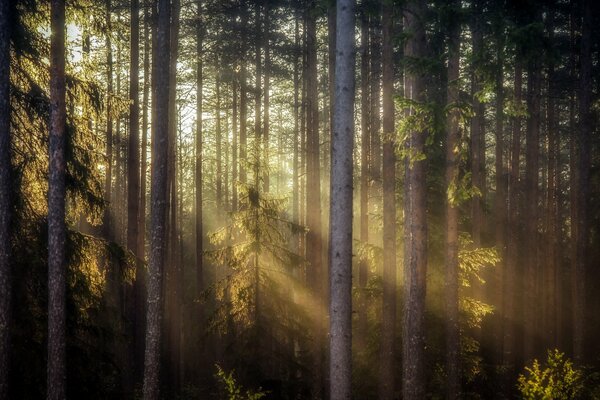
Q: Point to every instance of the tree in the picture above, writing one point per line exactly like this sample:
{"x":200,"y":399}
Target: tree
{"x":583,"y":141}
{"x":452,"y":211}
{"x":57,"y":230}
{"x":5,"y":199}
{"x":342,"y":144}
{"x":415,"y":264}
{"x":388,"y":317}
{"x":158,"y":212}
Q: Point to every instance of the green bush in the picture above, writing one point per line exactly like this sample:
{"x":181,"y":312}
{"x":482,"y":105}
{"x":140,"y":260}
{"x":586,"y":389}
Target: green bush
{"x":234,"y":390}
{"x":557,"y":379}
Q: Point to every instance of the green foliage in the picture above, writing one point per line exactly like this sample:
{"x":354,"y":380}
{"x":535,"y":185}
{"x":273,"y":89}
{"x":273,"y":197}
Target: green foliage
{"x":557,"y":379}
{"x":234,"y":390}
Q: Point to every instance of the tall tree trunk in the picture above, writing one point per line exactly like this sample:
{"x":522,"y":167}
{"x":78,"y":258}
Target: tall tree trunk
{"x":243,"y":97}
{"x":133,"y":178}
{"x":140,"y":294}
{"x":160,"y":155}
{"x":531,"y":311}
{"x":551,"y":271}
{"x":296,"y":140}
{"x":313,"y":193}
{"x":387,"y":384}
{"x":512,"y":261}
{"x":452,"y":212}
{"x":477,"y":127}
{"x":174,"y":274}
{"x":218,"y":139}
{"x":5,"y":200}
{"x":415,"y":265}
{"x":234,"y":142}
{"x":365,"y":146}
{"x":198,"y":174}
{"x":57,"y":229}
{"x":267,"y":88}
{"x":573,"y":171}
{"x":107,"y":220}
{"x":342,"y":144}
{"x":583,"y":189}
{"x":500,"y":209}
{"x":258,"y":75}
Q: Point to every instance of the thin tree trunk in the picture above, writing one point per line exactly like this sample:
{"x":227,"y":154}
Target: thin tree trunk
{"x":198,"y":176}
{"x":415,"y":266}
{"x":5,"y":200}
{"x":160,"y":155}
{"x":452,"y":213}
{"x":243,"y":98}
{"x":219,"y":139}
{"x":387,"y":384}
{"x":107,"y":220}
{"x":477,"y":128}
{"x":342,"y":144}
{"x":267,"y":88}
{"x":57,"y":230}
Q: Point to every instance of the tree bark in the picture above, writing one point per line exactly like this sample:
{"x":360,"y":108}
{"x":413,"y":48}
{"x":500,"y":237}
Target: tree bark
{"x":583,"y":204}
{"x":415,"y":265}
{"x":342,"y":144}
{"x":313,"y":193}
{"x":363,"y":268}
{"x":107,"y":220}
{"x":452,"y":213}
{"x":57,"y":230}
{"x":387,"y":383}
{"x":160,"y":155}
{"x":6,"y":186}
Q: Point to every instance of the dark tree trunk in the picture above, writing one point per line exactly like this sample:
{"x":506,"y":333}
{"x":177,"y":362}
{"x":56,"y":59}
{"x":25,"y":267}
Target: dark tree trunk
{"x":415,"y":265}
{"x":243,"y":98}
{"x":387,"y":383}
{"x":158,"y":221}
{"x":583,"y":189}
{"x":477,"y":128}
{"x":342,"y":144}
{"x":267,"y":88}
{"x":218,"y":139}
{"x":531,"y":309}
{"x":140,"y":294}
{"x":5,"y":200}
{"x":313,"y":193}
{"x":133,"y":175}
{"x":512,"y":261}
{"x":57,"y":230}
{"x":452,"y":213}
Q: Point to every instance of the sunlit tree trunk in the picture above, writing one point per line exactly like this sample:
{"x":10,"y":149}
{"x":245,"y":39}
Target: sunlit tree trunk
{"x":415,"y":265}
{"x":452,"y":211}
{"x":160,"y":155}
{"x":57,"y":230}
{"x":267,"y":88}
{"x":243,"y":97}
{"x":5,"y":200}
{"x":107,"y":222}
{"x":199,"y":231}
{"x":387,"y":381}
{"x":219,"y":140}
{"x":365,"y":145}
{"x":342,"y":143}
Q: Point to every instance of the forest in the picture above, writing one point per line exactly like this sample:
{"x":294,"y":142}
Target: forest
{"x":299,"y":199}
